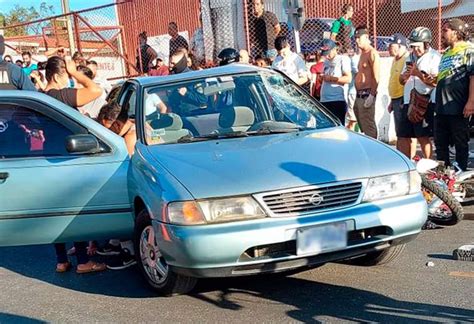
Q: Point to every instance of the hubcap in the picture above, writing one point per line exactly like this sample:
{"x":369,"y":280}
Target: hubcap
{"x":153,"y":262}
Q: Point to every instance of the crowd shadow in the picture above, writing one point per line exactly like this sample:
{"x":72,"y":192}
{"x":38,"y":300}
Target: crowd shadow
{"x":316,"y":302}
{"x":39,"y":262}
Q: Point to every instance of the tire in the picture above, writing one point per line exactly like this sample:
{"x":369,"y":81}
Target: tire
{"x":153,"y":266}
{"x":457,"y":212}
{"x":379,"y":257}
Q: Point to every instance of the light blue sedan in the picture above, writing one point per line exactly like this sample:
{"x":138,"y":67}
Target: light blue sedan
{"x":242,"y":174}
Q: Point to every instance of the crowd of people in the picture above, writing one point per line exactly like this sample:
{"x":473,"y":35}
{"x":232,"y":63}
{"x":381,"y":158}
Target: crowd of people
{"x":432,"y":94}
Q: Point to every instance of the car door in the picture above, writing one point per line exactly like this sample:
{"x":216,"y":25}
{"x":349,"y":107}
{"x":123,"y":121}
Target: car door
{"x":48,"y":195}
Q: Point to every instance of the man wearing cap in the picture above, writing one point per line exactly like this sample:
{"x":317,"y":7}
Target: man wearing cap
{"x":12,"y":76}
{"x":419,"y":78}
{"x":454,"y":93}
{"x":336,"y":78}
{"x":366,"y":83}
{"x":398,"y":50}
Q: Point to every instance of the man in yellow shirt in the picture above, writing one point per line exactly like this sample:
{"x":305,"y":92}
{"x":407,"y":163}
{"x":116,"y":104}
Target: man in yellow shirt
{"x":398,"y":50}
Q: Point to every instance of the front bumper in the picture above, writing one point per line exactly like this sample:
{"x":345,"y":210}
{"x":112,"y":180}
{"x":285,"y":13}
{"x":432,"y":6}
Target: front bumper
{"x":228,"y":249}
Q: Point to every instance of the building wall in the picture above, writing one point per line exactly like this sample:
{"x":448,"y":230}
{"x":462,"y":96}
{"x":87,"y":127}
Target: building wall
{"x":153,"y":17}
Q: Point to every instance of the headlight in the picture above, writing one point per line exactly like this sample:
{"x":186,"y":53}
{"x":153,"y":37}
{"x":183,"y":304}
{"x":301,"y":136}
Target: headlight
{"x":214,"y":211}
{"x":388,"y":186}
{"x":415,"y":182}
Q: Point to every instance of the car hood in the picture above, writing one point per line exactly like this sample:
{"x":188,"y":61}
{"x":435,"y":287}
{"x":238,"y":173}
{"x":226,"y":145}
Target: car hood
{"x":238,"y":166}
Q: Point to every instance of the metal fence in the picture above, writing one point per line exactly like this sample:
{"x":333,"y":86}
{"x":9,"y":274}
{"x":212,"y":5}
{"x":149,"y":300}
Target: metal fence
{"x":94,"y":33}
{"x":109,"y":34}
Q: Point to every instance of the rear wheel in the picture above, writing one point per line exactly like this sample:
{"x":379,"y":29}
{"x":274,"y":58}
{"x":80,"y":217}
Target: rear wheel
{"x":378,"y":257}
{"x":443,"y":208}
{"x":153,"y":265}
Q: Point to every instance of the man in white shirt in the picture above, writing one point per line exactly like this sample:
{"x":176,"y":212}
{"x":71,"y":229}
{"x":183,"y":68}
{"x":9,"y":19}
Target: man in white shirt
{"x":289,"y":62}
{"x":153,"y":103}
{"x":419,"y":74}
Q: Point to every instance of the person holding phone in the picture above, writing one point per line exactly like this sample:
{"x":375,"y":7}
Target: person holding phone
{"x":419,"y":80}
{"x":398,"y":50}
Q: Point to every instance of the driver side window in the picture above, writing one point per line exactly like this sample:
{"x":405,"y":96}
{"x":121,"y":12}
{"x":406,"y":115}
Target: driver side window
{"x":24,"y":132}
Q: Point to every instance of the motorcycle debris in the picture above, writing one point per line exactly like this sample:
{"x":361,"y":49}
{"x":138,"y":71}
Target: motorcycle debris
{"x":464,"y":253}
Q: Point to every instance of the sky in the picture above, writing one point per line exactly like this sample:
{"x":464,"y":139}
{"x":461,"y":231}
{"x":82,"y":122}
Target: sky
{"x":7,"y":5}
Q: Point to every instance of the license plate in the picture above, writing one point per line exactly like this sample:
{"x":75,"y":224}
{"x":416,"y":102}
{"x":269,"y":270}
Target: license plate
{"x":319,"y":239}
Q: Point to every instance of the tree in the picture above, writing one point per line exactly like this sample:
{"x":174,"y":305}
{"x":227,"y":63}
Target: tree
{"x":19,"y":15}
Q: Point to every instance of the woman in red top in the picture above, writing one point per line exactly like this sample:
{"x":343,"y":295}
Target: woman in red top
{"x":317,"y":72}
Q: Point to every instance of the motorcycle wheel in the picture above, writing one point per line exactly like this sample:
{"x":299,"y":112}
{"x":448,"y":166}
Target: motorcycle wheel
{"x":449,"y":211}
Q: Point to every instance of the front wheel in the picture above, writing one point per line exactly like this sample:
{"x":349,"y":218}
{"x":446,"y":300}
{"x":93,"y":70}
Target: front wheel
{"x":443,"y":208}
{"x":153,"y":265}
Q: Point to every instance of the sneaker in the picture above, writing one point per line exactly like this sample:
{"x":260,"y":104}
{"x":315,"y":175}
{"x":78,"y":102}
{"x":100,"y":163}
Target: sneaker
{"x":429,"y":225}
{"x":123,"y":261}
{"x":108,"y":249}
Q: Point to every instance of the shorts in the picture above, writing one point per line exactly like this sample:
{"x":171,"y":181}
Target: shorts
{"x":351,"y":97}
{"x":405,"y":128}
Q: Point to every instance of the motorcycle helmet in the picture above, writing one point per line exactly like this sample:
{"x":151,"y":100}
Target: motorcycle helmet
{"x":228,"y":55}
{"x":420,"y":35}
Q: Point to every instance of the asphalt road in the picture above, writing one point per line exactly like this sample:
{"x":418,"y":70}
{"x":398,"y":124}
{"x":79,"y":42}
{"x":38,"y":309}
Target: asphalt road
{"x":405,"y":291}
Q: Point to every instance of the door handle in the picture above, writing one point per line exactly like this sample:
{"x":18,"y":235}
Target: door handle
{"x":3,"y":176}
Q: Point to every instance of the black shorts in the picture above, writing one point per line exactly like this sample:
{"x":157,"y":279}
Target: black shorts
{"x":405,"y":128}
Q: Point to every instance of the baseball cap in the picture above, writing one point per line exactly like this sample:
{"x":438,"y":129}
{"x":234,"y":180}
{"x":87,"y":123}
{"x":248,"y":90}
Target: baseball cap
{"x":327,"y":45}
{"x":399,"y":39}
{"x":2,"y":45}
{"x":360,"y":32}
{"x":457,"y":24}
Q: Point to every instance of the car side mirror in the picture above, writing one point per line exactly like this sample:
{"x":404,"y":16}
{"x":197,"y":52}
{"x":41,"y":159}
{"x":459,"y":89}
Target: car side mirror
{"x":82,"y":144}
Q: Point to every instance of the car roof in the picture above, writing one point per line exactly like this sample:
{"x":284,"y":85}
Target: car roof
{"x":206,"y":73}
{"x":26,"y":94}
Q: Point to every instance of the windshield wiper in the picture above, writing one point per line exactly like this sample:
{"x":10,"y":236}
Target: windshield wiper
{"x":274,"y":127}
{"x":190,"y":138}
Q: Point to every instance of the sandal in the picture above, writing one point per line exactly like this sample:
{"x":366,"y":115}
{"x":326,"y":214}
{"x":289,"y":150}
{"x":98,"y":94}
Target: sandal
{"x":91,"y":267}
{"x":63,"y":267}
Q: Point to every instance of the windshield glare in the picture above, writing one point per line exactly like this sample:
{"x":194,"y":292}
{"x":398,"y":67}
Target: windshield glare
{"x":247,"y":104}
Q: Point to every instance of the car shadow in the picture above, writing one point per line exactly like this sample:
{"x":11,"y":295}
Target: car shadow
{"x":313,"y":302}
{"x":39,"y":262}
{"x":12,"y":318}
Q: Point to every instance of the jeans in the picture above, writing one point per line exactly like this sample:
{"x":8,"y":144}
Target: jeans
{"x":366,"y":117}
{"x":452,"y":129}
{"x":81,"y":252}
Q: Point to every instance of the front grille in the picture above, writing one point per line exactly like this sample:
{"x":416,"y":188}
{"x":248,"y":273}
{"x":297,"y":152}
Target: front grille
{"x":311,"y":199}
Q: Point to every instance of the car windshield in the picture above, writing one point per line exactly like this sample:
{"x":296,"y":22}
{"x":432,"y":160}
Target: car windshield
{"x":252,"y":104}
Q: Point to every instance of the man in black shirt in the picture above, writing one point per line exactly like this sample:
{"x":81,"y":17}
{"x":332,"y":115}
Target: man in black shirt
{"x":454,"y":93}
{"x":177,"y":41}
{"x":145,"y":55}
{"x":264,"y":28}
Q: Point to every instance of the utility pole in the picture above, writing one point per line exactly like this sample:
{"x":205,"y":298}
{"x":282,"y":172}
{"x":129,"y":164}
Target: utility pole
{"x":65,"y":7}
